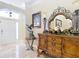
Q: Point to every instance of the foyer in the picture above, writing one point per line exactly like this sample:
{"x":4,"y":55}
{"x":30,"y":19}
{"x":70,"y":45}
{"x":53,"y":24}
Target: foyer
{"x":52,"y":24}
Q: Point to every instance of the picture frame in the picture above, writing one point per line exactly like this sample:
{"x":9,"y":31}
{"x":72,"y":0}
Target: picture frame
{"x":58,"y":23}
{"x":36,"y":20}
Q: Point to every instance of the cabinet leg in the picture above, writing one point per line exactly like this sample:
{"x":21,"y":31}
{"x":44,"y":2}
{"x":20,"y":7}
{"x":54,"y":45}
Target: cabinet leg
{"x":38,"y":53}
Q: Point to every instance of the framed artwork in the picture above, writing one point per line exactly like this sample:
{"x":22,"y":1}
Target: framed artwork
{"x":36,"y":19}
{"x":58,"y":23}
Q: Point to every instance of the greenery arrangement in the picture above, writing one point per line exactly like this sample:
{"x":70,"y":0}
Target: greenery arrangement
{"x":64,"y":32}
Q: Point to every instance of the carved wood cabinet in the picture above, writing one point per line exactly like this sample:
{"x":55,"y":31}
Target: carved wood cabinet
{"x":58,"y":45}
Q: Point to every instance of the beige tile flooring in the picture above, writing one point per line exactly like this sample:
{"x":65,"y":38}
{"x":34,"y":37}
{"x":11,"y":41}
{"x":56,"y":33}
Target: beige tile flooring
{"x":18,"y":50}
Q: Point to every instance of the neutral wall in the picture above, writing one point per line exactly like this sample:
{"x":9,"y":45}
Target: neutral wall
{"x":47,"y":7}
{"x":21,"y":27}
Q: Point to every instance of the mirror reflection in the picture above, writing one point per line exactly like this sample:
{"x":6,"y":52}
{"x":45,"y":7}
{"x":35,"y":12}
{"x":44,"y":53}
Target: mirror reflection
{"x":60,"y":21}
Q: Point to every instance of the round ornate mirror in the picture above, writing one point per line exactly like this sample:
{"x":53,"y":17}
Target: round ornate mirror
{"x":61,"y":18}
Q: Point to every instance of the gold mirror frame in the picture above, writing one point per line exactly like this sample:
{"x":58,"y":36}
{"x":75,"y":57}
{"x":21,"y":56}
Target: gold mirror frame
{"x":59,"y":11}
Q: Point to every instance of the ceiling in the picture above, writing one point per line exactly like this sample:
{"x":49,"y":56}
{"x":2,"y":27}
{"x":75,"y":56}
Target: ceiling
{"x":19,"y":3}
{"x":15,"y":5}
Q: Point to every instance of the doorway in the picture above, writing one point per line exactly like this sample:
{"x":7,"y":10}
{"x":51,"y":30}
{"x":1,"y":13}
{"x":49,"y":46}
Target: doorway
{"x":7,"y":31}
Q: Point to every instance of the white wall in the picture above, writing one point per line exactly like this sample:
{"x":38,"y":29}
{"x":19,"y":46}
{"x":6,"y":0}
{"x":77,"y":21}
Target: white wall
{"x":21,"y":27}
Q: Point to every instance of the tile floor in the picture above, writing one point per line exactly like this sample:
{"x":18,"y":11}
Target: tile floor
{"x":18,"y":50}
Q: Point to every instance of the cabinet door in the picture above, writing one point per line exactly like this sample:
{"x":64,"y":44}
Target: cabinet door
{"x":42,"y":41}
{"x":58,"y":46}
{"x":54,"y":46}
{"x":50,"y":46}
{"x":71,"y":47}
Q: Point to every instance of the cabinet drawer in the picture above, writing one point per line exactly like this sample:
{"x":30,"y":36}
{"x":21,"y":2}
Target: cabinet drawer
{"x":56,"y":40}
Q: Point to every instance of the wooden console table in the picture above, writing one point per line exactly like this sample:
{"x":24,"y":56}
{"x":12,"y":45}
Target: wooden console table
{"x":58,"y":45}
